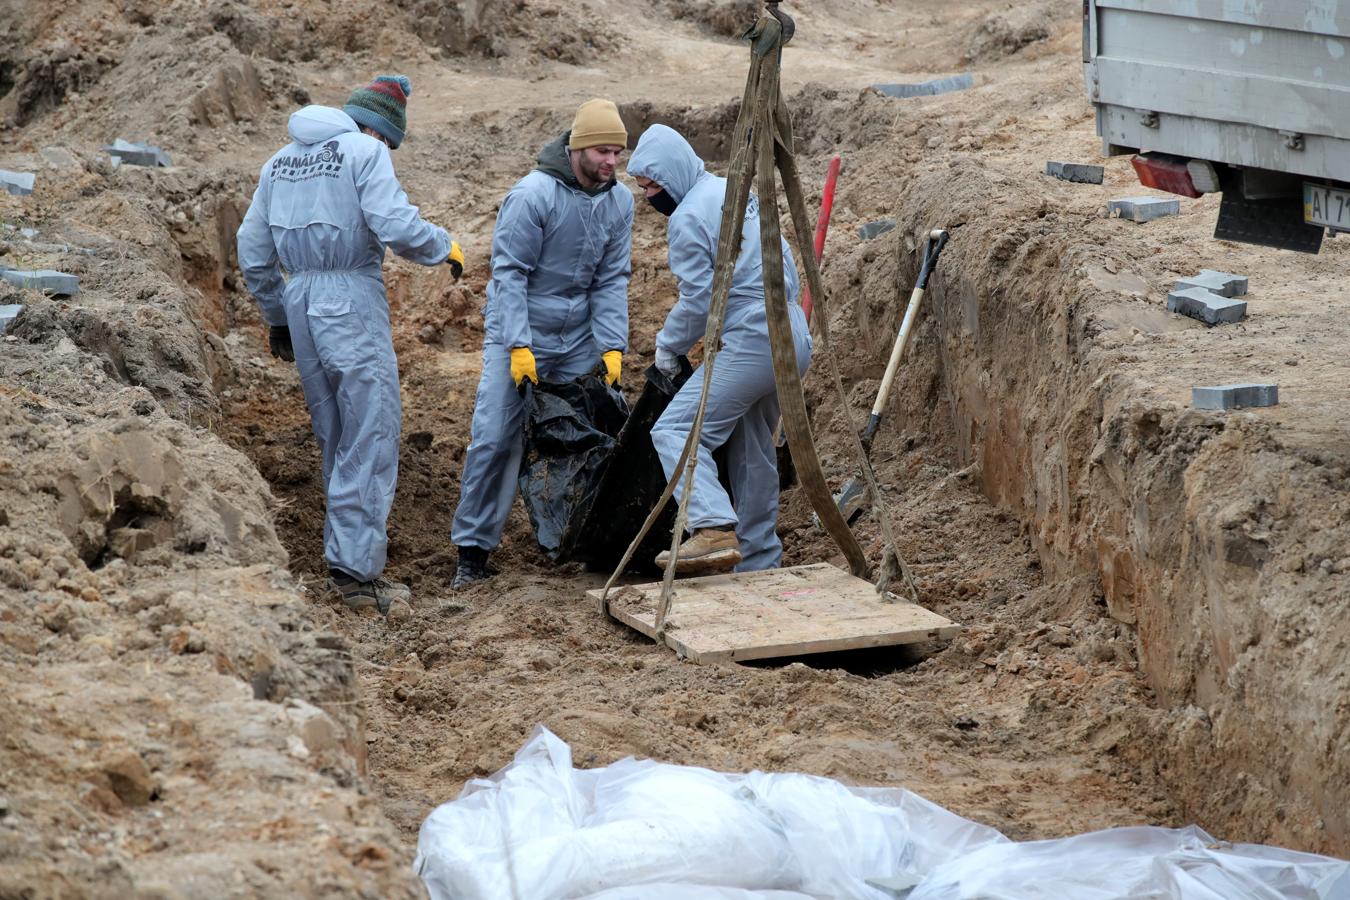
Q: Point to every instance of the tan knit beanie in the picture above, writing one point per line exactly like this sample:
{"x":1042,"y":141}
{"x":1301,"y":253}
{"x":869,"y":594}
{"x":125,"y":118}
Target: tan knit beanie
{"x":597,"y":123}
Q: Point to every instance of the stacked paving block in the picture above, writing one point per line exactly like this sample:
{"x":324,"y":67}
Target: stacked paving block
{"x":48,"y":281}
{"x":137,"y":153}
{"x":1225,"y":284}
{"x":8,"y":312}
{"x":1206,"y":306}
{"x":1208,"y":297}
{"x":1235,"y":396}
{"x":17,"y":183}
{"x":1079,"y":173}
{"x":1144,"y":209}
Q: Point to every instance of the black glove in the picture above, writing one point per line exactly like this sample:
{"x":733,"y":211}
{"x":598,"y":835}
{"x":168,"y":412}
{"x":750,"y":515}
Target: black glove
{"x":455,"y":260}
{"x":279,"y":340}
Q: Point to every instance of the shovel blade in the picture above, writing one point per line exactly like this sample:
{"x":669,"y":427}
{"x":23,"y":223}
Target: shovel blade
{"x":851,"y":502}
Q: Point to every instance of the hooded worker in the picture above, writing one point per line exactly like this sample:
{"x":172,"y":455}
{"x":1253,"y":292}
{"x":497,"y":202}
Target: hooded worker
{"x":557,"y":309}
{"x":742,"y":404}
{"x":326,"y":207}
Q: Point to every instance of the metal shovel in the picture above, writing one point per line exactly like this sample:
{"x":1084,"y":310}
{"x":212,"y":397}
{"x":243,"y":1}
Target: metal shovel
{"x":852,"y":497}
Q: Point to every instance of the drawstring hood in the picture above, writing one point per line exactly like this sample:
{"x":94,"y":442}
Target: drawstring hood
{"x":664,"y":156}
{"x":312,"y":124}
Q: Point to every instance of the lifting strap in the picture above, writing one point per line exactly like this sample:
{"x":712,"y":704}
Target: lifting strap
{"x":762,"y":140}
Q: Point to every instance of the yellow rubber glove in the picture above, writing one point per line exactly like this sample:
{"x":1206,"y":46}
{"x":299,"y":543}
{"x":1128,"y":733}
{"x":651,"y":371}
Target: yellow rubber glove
{"x":456,"y":260}
{"x":613,"y":366}
{"x":522,"y":365}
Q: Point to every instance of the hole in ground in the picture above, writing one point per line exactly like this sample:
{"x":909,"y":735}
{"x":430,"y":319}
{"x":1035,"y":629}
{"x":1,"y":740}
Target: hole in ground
{"x":867,"y":662}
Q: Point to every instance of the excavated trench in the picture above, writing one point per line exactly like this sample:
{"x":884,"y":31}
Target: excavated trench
{"x":1046,"y":503}
{"x":1193,"y":529}
{"x":1012,"y":723}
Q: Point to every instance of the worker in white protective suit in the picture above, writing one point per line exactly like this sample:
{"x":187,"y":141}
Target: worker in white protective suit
{"x":742,"y":405}
{"x":557,"y":309}
{"x":326,"y":206}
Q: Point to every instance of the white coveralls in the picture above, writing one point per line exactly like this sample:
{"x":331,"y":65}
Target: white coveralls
{"x":742,"y":407}
{"x":560,"y":268}
{"x":326,"y":207}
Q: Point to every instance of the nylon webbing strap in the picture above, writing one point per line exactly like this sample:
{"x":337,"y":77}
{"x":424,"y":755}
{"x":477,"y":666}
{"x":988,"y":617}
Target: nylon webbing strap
{"x":762,"y":140}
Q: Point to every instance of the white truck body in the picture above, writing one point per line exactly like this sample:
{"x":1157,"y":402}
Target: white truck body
{"x":1259,"y":88}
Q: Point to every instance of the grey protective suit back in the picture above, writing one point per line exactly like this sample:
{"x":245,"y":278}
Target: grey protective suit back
{"x":664,"y":156}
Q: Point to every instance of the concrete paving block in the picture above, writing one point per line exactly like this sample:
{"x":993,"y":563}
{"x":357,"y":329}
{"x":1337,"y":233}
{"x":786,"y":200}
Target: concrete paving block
{"x":1207,"y":306}
{"x":1079,"y":173}
{"x":48,"y":281}
{"x":137,"y":153}
{"x":875,"y":229}
{"x":928,"y":88}
{"x":1225,"y":284}
{"x":1235,"y":396}
{"x":8,"y":313}
{"x":17,"y":183}
{"x":1144,"y":209}
{"x":59,"y":157}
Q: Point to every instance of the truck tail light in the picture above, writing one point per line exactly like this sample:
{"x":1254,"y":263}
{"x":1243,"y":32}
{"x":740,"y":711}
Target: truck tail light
{"x":1164,"y":173}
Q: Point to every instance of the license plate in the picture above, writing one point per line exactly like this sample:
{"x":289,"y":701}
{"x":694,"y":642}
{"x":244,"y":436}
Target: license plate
{"x":1326,"y":206}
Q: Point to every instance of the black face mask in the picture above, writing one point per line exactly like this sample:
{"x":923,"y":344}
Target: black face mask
{"x":663,"y":202}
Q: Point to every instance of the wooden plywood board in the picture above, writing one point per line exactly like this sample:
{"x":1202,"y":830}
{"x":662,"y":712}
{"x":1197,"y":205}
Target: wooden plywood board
{"x":776,"y":613}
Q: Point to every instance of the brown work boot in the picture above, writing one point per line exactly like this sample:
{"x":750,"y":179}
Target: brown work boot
{"x":380,"y":593}
{"x":708,"y":550}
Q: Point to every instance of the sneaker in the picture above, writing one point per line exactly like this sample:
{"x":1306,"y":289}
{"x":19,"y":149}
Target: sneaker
{"x":380,"y":593}
{"x":708,"y":550}
{"x":471,"y":568}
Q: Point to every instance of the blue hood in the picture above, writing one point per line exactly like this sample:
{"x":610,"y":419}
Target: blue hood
{"x":313,"y":124}
{"x":664,"y":156}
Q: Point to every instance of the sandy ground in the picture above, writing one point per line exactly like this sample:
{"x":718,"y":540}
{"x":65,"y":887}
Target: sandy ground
{"x":1124,"y":660}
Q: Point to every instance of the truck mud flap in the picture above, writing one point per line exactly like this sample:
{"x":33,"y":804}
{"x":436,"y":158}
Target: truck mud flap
{"x":1275,"y":222}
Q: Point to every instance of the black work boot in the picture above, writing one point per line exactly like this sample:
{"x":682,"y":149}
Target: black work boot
{"x":472,"y":567}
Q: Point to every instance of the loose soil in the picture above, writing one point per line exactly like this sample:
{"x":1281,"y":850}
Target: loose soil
{"x":1153,"y":597}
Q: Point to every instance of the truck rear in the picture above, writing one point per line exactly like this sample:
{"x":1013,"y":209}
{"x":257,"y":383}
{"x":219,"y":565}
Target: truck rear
{"x":1248,"y":98}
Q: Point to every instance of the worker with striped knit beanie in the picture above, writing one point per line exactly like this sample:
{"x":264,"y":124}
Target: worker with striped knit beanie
{"x":311,"y":248}
{"x":380,"y":108}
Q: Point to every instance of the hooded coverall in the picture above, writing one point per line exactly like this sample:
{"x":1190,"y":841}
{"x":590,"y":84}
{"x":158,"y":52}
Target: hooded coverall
{"x":326,"y":207}
{"x":560,"y":268}
{"x":742,"y":407}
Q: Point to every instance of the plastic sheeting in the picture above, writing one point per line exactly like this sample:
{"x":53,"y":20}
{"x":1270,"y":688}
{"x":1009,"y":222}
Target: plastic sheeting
{"x":639,"y":830}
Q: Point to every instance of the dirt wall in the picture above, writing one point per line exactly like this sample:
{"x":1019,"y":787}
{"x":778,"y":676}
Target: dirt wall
{"x":176,"y":713}
{"x":1219,"y":537}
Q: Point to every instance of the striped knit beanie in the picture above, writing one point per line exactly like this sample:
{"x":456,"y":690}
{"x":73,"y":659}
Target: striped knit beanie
{"x":381,"y":105}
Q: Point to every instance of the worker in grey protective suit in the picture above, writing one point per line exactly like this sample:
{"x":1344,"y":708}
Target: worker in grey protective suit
{"x":326,"y":206}
{"x":742,"y":405}
{"x":557,"y":309}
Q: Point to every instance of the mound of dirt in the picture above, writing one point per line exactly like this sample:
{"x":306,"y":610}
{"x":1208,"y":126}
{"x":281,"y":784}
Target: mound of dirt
{"x":1008,"y":31}
{"x":723,"y":19}
{"x":167,"y":690}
